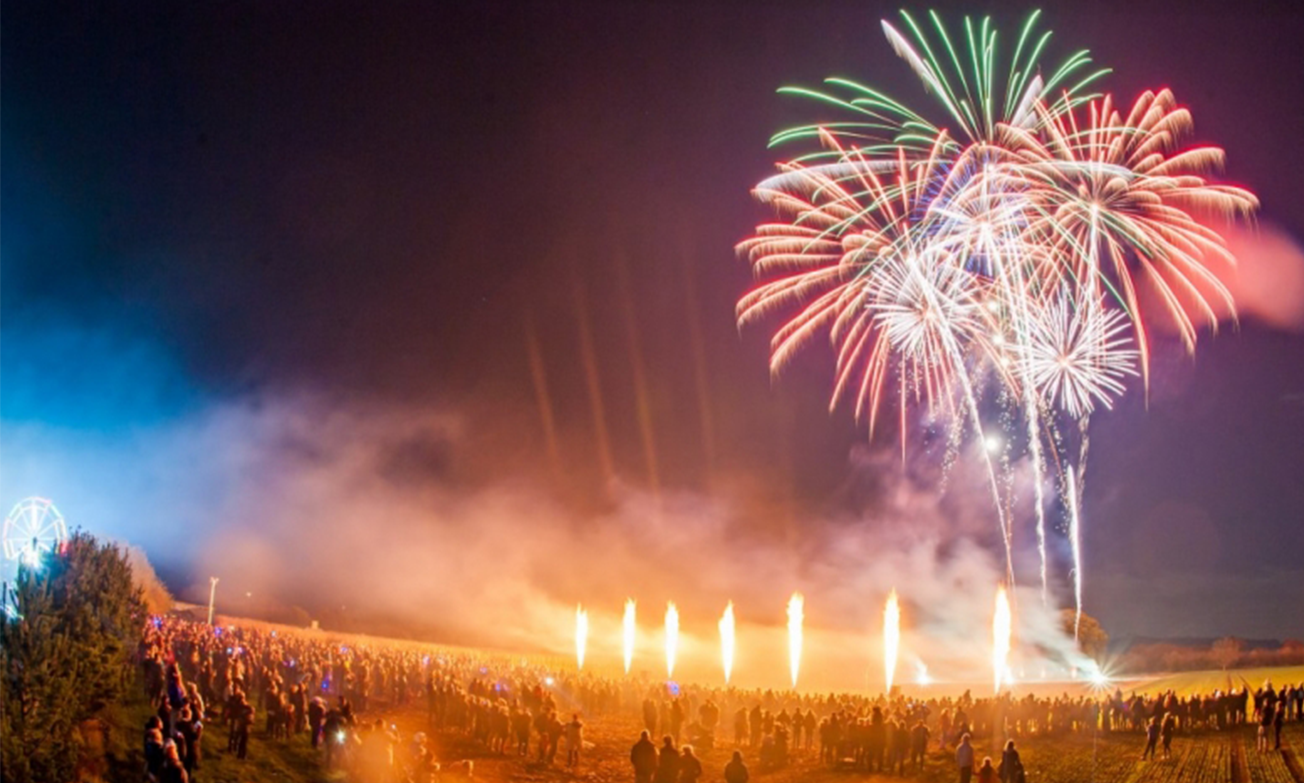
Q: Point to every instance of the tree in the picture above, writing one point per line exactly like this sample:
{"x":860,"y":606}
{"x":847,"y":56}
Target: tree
{"x":1092,"y":639}
{"x":64,"y":654}
{"x":1226,"y":651}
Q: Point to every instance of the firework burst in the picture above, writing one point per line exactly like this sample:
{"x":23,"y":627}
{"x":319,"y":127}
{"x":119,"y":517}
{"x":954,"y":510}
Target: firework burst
{"x":1009,"y":253}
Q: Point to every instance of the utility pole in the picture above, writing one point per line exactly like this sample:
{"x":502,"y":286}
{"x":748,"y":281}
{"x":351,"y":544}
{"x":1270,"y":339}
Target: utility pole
{"x":212,"y":593}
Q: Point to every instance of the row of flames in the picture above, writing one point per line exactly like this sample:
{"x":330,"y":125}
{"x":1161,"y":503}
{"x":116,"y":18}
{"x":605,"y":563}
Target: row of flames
{"x":1002,"y":623}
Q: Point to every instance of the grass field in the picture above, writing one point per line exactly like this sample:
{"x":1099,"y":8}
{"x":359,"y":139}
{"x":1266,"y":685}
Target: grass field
{"x":1228,"y":757}
{"x":1186,"y":683}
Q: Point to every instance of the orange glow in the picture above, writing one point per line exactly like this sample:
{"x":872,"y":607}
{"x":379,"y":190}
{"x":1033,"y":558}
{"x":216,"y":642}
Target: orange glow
{"x":891,"y":638}
{"x":1001,"y":624}
{"x":727,"y":641}
{"x":672,"y":637}
{"x":795,"y":617}
{"x":629,"y":628}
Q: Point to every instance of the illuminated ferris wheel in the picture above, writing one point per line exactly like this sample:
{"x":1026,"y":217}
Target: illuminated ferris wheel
{"x":33,"y":526}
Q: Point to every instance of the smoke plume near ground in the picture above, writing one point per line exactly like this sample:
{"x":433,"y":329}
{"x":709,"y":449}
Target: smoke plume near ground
{"x":362,"y":513}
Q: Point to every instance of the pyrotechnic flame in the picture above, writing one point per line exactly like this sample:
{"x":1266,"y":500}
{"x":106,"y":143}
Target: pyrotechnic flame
{"x":581,"y":634}
{"x":629,"y":634}
{"x":921,"y":674}
{"x":672,"y":637}
{"x":1001,"y":637}
{"x":891,"y":637}
{"x":727,"y":641}
{"x":794,"y":635}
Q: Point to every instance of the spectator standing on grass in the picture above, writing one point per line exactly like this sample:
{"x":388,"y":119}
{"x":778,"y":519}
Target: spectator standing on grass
{"x":1267,"y":716}
{"x":316,"y":717}
{"x":1011,"y":769}
{"x":1152,"y":739}
{"x":690,"y":767}
{"x":1278,"y":723}
{"x":964,"y":758}
{"x":986,"y":773}
{"x":173,"y":771}
{"x":154,"y":756}
{"x":667,"y":762}
{"x":332,"y":734}
{"x":244,"y":723}
{"x":736,"y":771}
{"x":1169,"y":728}
{"x":918,"y":744}
{"x":521,"y":727}
{"x":195,"y":701}
{"x":192,"y":728}
{"x":574,"y":741}
{"x":643,"y":757}
{"x":649,"y":715}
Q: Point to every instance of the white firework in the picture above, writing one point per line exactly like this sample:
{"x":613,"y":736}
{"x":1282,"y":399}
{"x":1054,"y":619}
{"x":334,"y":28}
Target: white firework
{"x":927,"y":307}
{"x":1076,"y":355}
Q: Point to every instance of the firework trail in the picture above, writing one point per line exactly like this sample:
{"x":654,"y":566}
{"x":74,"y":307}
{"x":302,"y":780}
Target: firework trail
{"x":672,"y":638}
{"x":891,"y":638}
{"x":727,"y":641}
{"x":1075,"y":541}
{"x":629,"y":629}
{"x":795,"y":635}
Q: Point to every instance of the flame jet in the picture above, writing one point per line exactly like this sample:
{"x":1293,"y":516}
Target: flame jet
{"x":1001,"y":636}
{"x":795,"y":617}
{"x":672,"y":638}
{"x":727,"y":641}
{"x":629,"y":633}
{"x":581,"y":634}
{"x":891,"y":638}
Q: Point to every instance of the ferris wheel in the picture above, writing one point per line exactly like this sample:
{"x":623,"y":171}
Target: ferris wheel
{"x":33,"y":526}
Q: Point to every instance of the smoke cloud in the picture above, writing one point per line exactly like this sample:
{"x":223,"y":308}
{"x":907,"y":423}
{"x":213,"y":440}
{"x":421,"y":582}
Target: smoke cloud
{"x":363,"y":516}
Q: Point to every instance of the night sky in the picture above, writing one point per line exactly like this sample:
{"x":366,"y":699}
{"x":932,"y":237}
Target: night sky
{"x":379,"y":205}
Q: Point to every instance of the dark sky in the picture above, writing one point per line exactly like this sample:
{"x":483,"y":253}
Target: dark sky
{"x":374,"y":203}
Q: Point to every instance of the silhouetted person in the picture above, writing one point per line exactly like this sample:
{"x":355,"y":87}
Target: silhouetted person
{"x":643,"y":757}
{"x":667,"y":762}
{"x":1011,"y":770}
{"x":690,"y":767}
{"x":736,"y":771}
{"x":1152,"y":739}
{"x":964,"y":759}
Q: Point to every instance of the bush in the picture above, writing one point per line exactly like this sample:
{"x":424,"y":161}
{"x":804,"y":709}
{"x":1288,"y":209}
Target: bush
{"x":64,"y":655}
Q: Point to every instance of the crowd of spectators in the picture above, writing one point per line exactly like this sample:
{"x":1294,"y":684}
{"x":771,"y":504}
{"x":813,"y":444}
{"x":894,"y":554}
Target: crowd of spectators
{"x":333,"y":694}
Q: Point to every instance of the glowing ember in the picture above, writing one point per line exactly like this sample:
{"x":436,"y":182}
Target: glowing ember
{"x":581,"y":634}
{"x":672,"y":637}
{"x":794,"y":635}
{"x":891,"y":638}
{"x":1001,"y":638}
{"x":629,"y":634}
{"x":727,"y":641}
